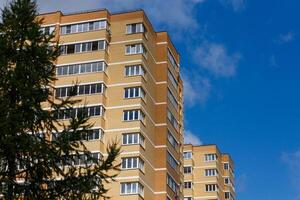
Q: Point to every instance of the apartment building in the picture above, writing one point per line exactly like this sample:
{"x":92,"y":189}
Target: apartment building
{"x":128,"y":77}
{"x":208,"y":173}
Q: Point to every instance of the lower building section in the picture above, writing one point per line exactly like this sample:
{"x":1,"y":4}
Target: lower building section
{"x":208,"y":173}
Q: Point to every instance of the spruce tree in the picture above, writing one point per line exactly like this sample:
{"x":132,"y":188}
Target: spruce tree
{"x":31,"y":165}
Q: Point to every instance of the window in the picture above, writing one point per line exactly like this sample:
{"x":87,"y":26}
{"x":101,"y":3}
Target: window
{"x":83,"y":68}
{"x":227,"y":180}
{"x":172,"y":184}
{"x":187,"y":184}
{"x":96,"y":88}
{"x":226,"y":166}
{"x":172,"y":59}
{"x":187,"y":155}
{"x":132,"y":163}
{"x":172,"y":79}
{"x":187,"y":170}
{"x":134,"y":70}
{"x":83,"y":27}
{"x":133,"y":138}
{"x":210,"y":157}
{"x":130,"y":115}
{"x":135,"y":28}
{"x":89,"y":135}
{"x":227,"y":195}
{"x":47,"y":30}
{"x":82,"y":159}
{"x":172,"y":140}
{"x":187,"y":198}
{"x":132,"y":188}
{"x":83,"y":47}
{"x":211,"y":188}
{"x":171,"y":160}
{"x":173,"y":120}
{"x":134,"y":92}
{"x":135,"y":49}
{"x":76,"y":112}
{"x":94,"y":134}
{"x":211,"y":172}
{"x":172,"y":99}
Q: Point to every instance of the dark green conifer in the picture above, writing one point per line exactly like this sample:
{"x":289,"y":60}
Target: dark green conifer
{"x":31,"y":165}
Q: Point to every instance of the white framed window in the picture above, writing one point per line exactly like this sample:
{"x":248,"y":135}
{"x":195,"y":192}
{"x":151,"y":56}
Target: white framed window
{"x":210,"y":157}
{"x":172,"y":140}
{"x":172,"y":99}
{"x":187,"y":185}
{"x":131,"y":188}
{"x":134,"y":92}
{"x":211,"y":172}
{"x":131,"y":115}
{"x":132,"y":163}
{"x":172,"y":120}
{"x":135,"y":70}
{"x":187,"y":155}
{"x":187,"y":170}
{"x":211,"y":188}
{"x":135,"y":49}
{"x":91,"y":89}
{"x":172,"y":79}
{"x":89,"y":111}
{"x":172,"y":184}
{"x":48,"y":30}
{"x":227,"y":195}
{"x":83,"y":27}
{"x":93,"y":134}
{"x":135,"y":28}
{"x":172,"y":161}
{"x":89,"y":135}
{"x":83,"y":47}
{"x":87,"y":89}
{"x":82,"y":68}
{"x":172,"y":59}
{"x":226,"y":180}
{"x":133,"y":138}
{"x":82,"y":159}
{"x":226,"y":166}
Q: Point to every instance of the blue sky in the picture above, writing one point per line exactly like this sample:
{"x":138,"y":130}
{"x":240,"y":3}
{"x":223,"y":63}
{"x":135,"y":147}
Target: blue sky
{"x":240,"y":63}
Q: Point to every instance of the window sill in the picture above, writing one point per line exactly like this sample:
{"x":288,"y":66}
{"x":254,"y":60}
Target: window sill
{"x":132,"y":54}
{"x":135,"y":33}
{"x":132,"y":169}
{"x":141,"y":195}
{"x":143,"y":146}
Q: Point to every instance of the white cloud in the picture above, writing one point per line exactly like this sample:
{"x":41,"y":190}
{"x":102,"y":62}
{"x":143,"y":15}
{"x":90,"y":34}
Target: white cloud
{"x":215,"y":58}
{"x":241,"y":182}
{"x":3,"y":3}
{"x":169,"y":13}
{"x":190,"y":138}
{"x":293,"y":162}
{"x":287,"y":37}
{"x":196,"y":89}
{"x":273,"y":61}
{"x":237,"y":5}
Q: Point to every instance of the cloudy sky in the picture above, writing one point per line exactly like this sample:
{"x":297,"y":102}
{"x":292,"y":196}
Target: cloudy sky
{"x":241,"y":67}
